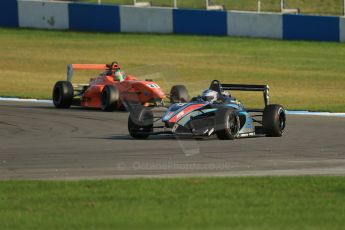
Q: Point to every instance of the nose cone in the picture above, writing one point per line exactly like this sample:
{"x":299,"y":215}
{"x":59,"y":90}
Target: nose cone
{"x":154,"y":91}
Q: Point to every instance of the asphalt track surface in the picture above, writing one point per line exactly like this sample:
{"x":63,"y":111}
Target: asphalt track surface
{"x":38,"y":141}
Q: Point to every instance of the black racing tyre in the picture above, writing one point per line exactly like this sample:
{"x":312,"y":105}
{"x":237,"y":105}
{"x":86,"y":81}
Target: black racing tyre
{"x":179,"y":93}
{"x":63,"y":94}
{"x":109,"y":98}
{"x":274,"y":120}
{"x":227,"y":124}
{"x":140,"y":124}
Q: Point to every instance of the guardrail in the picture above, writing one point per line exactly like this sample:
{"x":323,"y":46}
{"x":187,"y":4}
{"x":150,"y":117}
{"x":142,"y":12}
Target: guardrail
{"x":283,"y":6}
{"x":131,"y":19}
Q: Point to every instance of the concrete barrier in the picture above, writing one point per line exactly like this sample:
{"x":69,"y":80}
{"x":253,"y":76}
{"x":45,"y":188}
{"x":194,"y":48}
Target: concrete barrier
{"x":93,"y":17}
{"x":146,"y":20}
{"x":249,"y":24}
{"x":42,"y":14}
{"x":200,"y":22}
{"x":317,"y":28}
{"x":113,"y":18}
{"x":9,"y":13}
{"x":342,"y":29}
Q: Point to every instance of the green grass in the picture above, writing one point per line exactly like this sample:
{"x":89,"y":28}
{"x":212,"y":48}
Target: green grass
{"x":302,"y":75}
{"x":329,"y":7}
{"x":194,"y":203}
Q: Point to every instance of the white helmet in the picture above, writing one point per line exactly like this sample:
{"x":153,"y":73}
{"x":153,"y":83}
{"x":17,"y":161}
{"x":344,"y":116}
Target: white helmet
{"x":209,"y":95}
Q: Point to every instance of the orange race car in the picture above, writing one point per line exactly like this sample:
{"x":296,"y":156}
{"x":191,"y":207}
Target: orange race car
{"x":111,"y":89}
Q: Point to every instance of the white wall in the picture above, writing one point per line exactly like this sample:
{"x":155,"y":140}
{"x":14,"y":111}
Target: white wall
{"x":250,"y":24}
{"x":39,"y":14}
{"x":146,"y":19}
{"x":342,"y":29}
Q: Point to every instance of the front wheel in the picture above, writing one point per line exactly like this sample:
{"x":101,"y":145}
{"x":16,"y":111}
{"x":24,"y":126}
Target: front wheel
{"x":227,"y":124}
{"x":140,"y":123}
{"x":274,"y":120}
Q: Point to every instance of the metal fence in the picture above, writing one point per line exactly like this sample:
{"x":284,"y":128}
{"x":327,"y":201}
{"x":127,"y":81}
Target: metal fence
{"x":318,"y":7}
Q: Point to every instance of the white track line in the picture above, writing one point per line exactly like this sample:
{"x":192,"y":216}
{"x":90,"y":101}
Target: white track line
{"x":304,"y":113}
{"x":25,"y":100}
{"x":307,"y":113}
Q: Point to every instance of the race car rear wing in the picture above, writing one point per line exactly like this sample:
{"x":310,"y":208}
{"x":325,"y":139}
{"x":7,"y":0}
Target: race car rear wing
{"x":217,"y":86}
{"x":71,"y":67}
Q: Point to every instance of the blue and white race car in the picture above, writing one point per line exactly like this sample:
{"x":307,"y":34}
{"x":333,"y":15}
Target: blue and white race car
{"x":214,"y":112}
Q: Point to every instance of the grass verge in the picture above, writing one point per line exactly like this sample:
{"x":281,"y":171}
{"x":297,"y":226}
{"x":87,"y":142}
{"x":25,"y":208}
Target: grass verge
{"x":302,"y":75}
{"x":193,"y":203}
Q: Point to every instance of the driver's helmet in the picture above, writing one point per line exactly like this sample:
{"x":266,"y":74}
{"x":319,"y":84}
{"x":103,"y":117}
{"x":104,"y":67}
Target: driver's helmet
{"x":119,"y":75}
{"x":209,"y":95}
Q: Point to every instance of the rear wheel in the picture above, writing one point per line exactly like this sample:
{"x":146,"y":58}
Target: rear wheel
{"x":227,"y":124}
{"x":179,"y":93}
{"x":140,"y":123}
{"x":274,"y":120}
{"x":63,"y":94}
{"x":109,"y":98}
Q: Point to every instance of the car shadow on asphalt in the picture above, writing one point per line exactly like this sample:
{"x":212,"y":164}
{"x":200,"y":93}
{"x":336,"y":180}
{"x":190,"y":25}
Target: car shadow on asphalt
{"x":171,"y":137}
{"x":151,"y":138}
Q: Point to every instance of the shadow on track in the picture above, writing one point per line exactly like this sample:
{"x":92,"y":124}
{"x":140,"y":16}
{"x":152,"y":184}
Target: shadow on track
{"x":167,"y":137}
